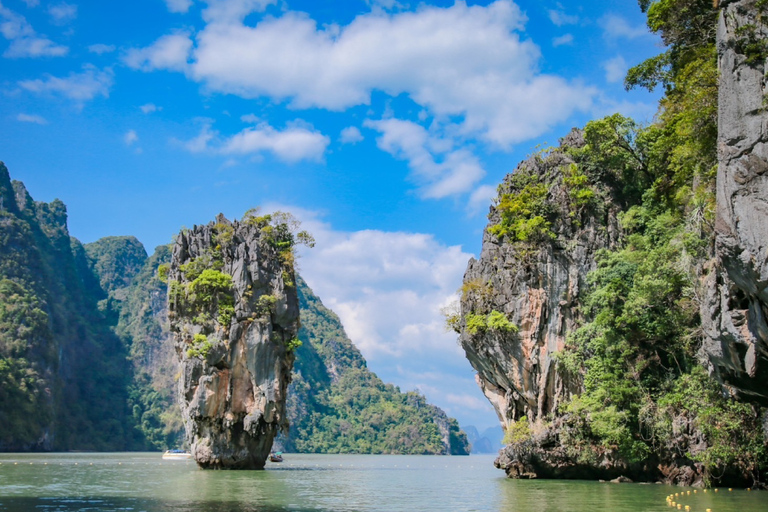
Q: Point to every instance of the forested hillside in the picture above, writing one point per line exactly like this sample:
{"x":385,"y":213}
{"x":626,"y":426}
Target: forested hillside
{"x":591,"y":292}
{"x":87,"y":361}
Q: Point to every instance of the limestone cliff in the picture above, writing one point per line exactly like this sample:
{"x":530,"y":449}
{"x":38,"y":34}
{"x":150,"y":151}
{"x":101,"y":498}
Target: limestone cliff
{"x":234,"y":316}
{"x":535,"y":284}
{"x":735,"y":313}
{"x":585,"y":315}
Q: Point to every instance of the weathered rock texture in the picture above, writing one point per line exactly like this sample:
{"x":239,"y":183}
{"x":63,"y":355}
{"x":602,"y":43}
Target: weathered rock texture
{"x":232,"y":394}
{"x":735,"y":314}
{"x":536,"y":286}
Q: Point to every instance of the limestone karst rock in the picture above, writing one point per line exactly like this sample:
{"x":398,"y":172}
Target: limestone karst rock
{"x":234,"y":315}
{"x":536,"y":287}
{"x":735,"y":313}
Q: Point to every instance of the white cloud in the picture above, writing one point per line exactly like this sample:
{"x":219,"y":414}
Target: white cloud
{"x":481,"y":199}
{"x":100,"y":49}
{"x":250,"y":118}
{"x":32,"y":3}
{"x":465,"y":61}
{"x":224,"y":11}
{"x":168,"y":52}
{"x":560,"y":18}
{"x":615,"y":69}
{"x":80,"y":87}
{"x":616,"y":27}
{"x":565,"y":39}
{"x":388,"y":289}
{"x":457,"y":171}
{"x":298,"y":141}
{"x":25,"y":42}
{"x":33,"y":118}
{"x":130,"y":137}
{"x":148,"y":108}
{"x":350,"y":135}
{"x":62,"y":13}
{"x":180,"y":6}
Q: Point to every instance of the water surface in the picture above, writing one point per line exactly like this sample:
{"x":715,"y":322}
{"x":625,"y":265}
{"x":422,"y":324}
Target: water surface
{"x":345,"y":483}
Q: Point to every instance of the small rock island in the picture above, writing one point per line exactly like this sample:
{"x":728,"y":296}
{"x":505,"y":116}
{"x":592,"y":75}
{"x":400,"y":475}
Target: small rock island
{"x":234,"y":315}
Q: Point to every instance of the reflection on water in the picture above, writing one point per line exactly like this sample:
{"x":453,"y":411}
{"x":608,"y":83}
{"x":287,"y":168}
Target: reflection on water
{"x":345,"y":483}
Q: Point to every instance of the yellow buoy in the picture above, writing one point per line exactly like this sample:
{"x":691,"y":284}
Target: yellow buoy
{"x":679,"y":506}
{"x":687,"y":507}
{"x":730,"y":489}
{"x":717,"y":490}
{"x":689,"y":493}
{"x":694,"y":491}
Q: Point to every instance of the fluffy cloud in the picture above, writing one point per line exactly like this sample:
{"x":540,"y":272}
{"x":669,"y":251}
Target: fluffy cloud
{"x":62,"y":13}
{"x":130,"y":138}
{"x":457,"y":171}
{"x":100,"y":49}
{"x":350,"y":135}
{"x":388,"y":289}
{"x":298,"y":141}
{"x":34,"y":118}
{"x":181,"y":6}
{"x":148,"y":108}
{"x":226,"y":11}
{"x":615,"y":69}
{"x":79,"y":87}
{"x":560,"y":18}
{"x":616,"y":27}
{"x":481,"y":199}
{"x":168,"y":52}
{"x":25,"y":42}
{"x":562,"y":40}
{"x":466,"y":61}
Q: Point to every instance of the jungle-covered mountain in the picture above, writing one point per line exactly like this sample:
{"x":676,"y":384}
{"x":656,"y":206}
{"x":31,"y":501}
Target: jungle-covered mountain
{"x":87,"y":362}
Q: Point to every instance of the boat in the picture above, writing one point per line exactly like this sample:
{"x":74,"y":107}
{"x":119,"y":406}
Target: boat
{"x":276,"y":457}
{"x":176,"y":455}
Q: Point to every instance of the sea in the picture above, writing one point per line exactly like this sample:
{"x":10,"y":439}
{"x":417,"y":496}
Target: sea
{"x":345,"y":483}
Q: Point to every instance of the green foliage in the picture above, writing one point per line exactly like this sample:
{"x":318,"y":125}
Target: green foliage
{"x":499,"y":322}
{"x":518,"y":433}
{"x":293,"y":344}
{"x":580,"y":192}
{"x":637,"y":353}
{"x":495,"y":321}
{"x":475,"y":323}
{"x":525,"y":213}
{"x":200,"y":346}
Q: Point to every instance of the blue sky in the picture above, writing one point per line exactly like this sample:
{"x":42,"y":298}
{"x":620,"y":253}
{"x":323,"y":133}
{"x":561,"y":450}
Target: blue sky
{"x":384,"y":125}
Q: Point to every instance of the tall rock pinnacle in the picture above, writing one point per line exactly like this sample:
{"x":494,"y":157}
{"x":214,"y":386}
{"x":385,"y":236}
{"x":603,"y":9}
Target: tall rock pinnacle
{"x":234,"y":314}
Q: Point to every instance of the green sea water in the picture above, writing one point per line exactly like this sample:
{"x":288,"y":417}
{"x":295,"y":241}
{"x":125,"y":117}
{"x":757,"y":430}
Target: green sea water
{"x":144,"y":482}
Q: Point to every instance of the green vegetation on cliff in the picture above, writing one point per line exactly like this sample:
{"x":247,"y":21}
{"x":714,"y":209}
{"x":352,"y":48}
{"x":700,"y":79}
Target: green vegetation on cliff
{"x":337,"y":405}
{"x":63,"y":370}
{"x":645,"y":395}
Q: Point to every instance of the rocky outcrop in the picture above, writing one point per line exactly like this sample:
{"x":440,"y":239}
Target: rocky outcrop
{"x":536,"y":287}
{"x":234,"y":316}
{"x":735,"y":312}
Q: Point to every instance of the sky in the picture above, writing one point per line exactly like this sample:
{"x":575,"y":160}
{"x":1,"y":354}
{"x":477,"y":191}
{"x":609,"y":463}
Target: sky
{"x":384,"y":125}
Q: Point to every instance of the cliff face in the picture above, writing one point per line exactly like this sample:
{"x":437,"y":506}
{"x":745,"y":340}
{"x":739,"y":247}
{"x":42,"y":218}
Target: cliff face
{"x":588,"y":338}
{"x":735,"y":313}
{"x":234,"y":316}
{"x":62,"y":370}
{"x":536,"y":286}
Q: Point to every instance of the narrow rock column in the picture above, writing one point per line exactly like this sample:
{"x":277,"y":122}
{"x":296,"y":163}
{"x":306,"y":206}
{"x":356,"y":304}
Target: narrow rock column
{"x":735,"y":312}
{"x":234,"y":315}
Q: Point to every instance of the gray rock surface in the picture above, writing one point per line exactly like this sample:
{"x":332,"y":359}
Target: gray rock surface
{"x":232,"y":396}
{"x":537,"y":289}
{"x":735,"y":312}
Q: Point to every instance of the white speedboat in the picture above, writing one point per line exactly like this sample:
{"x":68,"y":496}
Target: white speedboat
{"x":176,"y":455}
